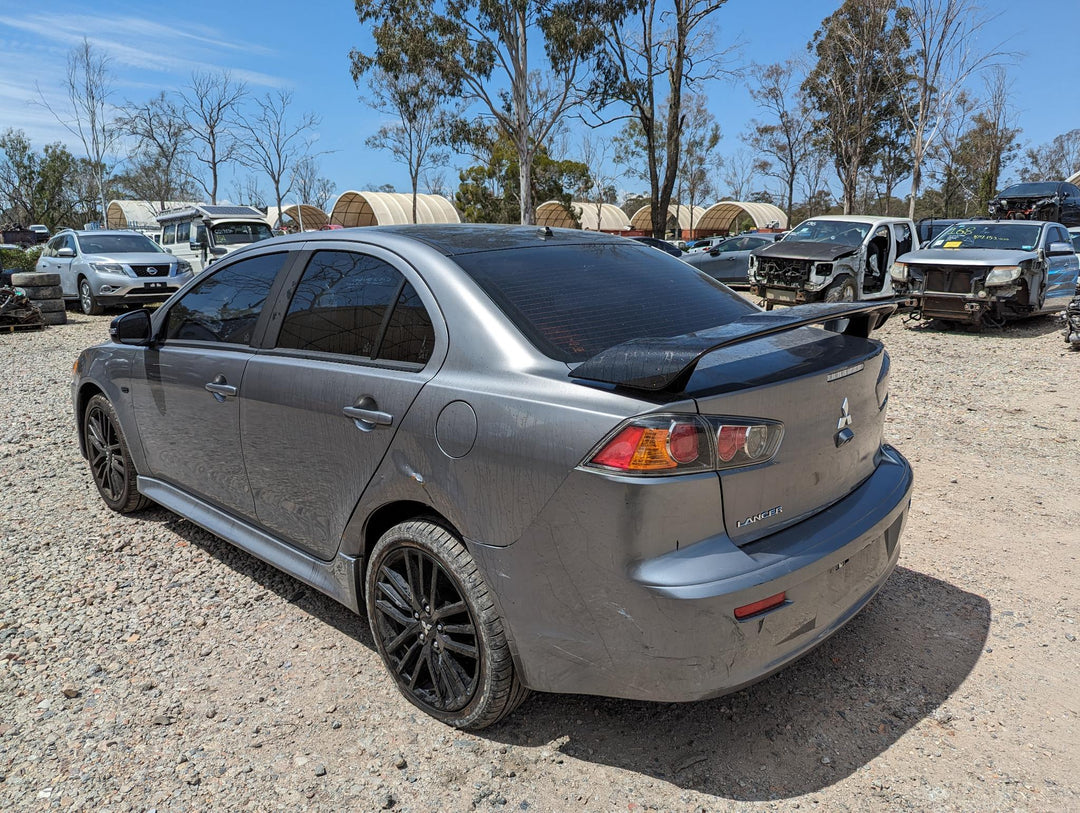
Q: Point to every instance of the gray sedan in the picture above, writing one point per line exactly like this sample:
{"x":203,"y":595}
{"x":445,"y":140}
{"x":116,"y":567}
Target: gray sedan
{"x":729,"y":261}
{"x":537,"y":459}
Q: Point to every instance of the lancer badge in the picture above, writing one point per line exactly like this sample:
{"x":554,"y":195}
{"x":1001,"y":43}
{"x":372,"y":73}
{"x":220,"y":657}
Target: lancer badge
{"x":844,"y":431}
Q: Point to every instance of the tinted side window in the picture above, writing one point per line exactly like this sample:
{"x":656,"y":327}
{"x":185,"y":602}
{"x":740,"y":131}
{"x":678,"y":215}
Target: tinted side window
{"x":346,"y":302}
{"x":69,"y":242}
{"x":225,"y":305}
{"x":409,"y":335}
{"x":168,"y":234}
{"x":1059,"y":235}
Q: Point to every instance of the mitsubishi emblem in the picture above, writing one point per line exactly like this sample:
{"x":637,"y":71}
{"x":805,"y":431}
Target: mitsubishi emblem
{"x":843,"y":425}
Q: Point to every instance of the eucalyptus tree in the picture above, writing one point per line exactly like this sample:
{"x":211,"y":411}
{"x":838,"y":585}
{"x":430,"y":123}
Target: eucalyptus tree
{"x":274,"y":141}
{"x":944,"y":36}
{"x":485,"y":53}
{"x":89,"y":115}
{"x":853,"y":84}
{"x":652,"y":53}
{"x":783,"y":140}
{"x":161,"y":138}
{"x":211,"y":106}
{"x":419,"y":126}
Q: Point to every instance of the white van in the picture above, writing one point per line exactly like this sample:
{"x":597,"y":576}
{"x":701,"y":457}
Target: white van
{"x":201,"y":234}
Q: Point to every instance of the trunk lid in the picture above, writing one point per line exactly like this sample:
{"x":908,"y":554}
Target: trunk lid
{"x":816,"y":383}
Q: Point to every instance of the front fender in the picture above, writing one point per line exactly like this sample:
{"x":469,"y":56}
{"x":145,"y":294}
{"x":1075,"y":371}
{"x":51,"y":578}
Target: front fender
{"x":107,"y":369}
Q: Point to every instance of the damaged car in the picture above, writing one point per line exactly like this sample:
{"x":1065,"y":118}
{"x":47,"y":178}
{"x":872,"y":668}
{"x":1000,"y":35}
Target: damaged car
{"x":1053,"y":201}
{"x":832,"y":258}
{"x":987,"y":272}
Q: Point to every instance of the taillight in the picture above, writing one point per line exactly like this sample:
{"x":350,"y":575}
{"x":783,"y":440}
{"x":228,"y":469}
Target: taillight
{"x":680,"y":444}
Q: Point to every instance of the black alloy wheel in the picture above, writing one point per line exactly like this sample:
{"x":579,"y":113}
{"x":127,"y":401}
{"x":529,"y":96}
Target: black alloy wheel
{"x":110,"y":462}
{"x":436,"y":627}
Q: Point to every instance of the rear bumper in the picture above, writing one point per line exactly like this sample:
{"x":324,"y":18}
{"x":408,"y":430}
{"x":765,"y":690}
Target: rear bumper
{"x":584,"y":617}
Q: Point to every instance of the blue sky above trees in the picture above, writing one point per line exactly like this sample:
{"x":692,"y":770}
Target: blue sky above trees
{"x":275,"y":45}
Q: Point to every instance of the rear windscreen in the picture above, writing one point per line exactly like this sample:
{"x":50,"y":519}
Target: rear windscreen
{"x":574,"y":301}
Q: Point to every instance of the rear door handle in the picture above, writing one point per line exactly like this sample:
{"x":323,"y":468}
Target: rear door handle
{"x":366,"y":414}
{"x":220,"y":389}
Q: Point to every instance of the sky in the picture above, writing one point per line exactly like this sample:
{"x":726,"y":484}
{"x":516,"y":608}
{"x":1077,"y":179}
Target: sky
{"x":304,"y":49}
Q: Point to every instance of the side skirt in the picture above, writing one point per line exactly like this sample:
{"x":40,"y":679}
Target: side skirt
{"x":337,"y":578}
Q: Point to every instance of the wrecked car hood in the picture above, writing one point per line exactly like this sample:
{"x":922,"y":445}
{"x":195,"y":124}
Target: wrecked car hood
{"x":967,"y":256}
{"x":805,"y":250}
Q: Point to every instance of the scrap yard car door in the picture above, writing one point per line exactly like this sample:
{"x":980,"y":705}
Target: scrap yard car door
{"x":326,"y":397}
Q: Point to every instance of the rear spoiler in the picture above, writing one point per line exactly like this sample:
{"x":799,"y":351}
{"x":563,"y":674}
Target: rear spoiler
{"x":666,"y":364}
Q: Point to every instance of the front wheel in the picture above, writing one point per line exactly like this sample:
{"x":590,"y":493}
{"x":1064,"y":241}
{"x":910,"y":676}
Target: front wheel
{"x":841,"y":289}
{"x":437,"y":629}
{"x":87,"y":301}
{"x":110,"y":461}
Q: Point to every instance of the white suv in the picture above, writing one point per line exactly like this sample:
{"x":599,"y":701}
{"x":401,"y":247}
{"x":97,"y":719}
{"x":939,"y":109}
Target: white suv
{"x":100,"y":268}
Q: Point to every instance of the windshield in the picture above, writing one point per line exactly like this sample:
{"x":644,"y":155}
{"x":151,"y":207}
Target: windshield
{"x":238,"y":234}
{"x":1010,"y":236}
{"x":830,"y":231}
{"x":118,"y":244}
{"x":1029,"y":190}
{"x":574,"y":301}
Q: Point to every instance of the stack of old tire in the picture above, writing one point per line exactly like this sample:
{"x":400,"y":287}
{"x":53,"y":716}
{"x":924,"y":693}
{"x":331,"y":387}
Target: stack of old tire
{"x":44,"y":291}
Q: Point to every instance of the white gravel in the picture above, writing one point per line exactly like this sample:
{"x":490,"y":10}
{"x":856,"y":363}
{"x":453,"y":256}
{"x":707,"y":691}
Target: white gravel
{"x":147,"y":665}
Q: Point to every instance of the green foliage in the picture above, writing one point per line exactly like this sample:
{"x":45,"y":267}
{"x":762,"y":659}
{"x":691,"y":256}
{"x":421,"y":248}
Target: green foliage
{"x":47,"y":187}
{"x":851,"y":88}
{"x":1055,"y":161}
{"x":17,"y":259}
{"x":490,"y":191}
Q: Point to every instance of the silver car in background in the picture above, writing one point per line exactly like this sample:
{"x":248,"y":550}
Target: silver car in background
{"x":100,"y":268}
{"x":539,"y":459}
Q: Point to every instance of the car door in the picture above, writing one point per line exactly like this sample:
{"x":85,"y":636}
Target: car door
{"x":186,"y":387}
{"x":63,"y":265}
{"x":1061,"y":270}
{"x":323,"y":401}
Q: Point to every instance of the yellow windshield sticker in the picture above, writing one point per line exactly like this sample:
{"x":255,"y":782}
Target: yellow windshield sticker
{"x":954,"y":244}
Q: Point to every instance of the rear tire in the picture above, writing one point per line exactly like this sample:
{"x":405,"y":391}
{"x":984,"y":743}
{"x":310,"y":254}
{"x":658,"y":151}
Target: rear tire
{"x":110,"y":461}
{"x":437,"y":629}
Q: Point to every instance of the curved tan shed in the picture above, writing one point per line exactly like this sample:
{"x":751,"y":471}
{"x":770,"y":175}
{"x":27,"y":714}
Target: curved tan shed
{"x":688,"y":218}
{"x":611,"y":218}
{"x":723,"y":217}
{"x":390,"y":208}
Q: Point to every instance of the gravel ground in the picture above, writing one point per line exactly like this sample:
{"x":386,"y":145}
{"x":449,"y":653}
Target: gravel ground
{"x":145,"y":664}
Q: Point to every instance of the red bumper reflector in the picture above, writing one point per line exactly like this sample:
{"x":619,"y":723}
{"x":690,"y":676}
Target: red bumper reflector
{"x":748,"y":610}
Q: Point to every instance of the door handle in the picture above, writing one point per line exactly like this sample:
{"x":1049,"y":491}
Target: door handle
{"x":366,"y":415}
{"x":219,"y":389}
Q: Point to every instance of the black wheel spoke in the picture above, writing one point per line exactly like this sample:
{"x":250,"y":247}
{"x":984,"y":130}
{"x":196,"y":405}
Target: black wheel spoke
{"x":449,"y":610}
{"x":459,"y":629}
{"x":467,"y":650}
{"x":397,"y":590}
{"x":434,"y":674}
{"x":409,"y":631}
{"x":454,"y":675}
{"x":387,"y":609}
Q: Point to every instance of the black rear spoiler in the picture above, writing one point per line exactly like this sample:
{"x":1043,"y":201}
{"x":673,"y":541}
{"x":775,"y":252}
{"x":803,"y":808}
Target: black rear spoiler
{"x":666,"y":364}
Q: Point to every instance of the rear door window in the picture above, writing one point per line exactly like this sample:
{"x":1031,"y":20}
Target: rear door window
{"x":354,"y":304}
{"x":225,"y":305}
{"x":574,"y":301}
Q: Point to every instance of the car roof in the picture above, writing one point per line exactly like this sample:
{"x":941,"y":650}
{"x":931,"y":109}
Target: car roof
{"x":452,"y":239}
{"x":873,"y":219}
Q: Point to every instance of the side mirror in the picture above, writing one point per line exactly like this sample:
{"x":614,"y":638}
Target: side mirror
{"x":132,"y":328}
{"x":219,"y":251}
{"x":1059,"y":248}
{"x":65,"y":252}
